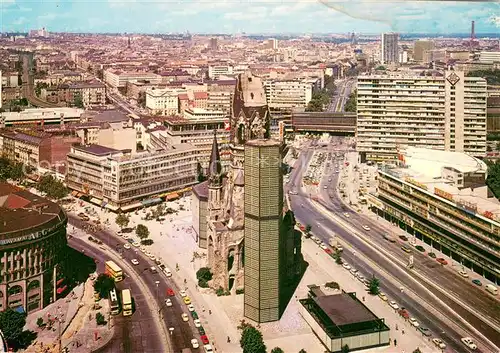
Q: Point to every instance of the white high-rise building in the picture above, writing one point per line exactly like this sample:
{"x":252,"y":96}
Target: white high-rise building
{"x":440,"y":112}
{"x":389,"y":52}
{"x":288,"y":94}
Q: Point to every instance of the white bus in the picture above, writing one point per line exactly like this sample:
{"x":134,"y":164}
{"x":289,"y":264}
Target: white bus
{"x":114,"y":304}
{"x":126,"y":302}
{"x":113,"y":270}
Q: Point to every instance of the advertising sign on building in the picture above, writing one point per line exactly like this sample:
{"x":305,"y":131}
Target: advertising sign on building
{"x":443,"y":194}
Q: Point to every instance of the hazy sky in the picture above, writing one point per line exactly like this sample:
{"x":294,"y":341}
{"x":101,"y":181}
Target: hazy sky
{"x":250,"y":16}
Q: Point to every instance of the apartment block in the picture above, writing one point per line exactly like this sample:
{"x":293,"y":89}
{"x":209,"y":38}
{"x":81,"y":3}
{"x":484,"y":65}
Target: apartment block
{"x":288,"y":94}
{"x":216,"y":71}
{"x":440,"y":112}
{"x":193,"y":99}
{"x":121,"y":180}
{"x":203,"y":114}
{"x":41,"y":116}
{"x":440,"y":198}
{"x":90,"y":93}
{"x":489,"y":57}
{"x":389,"y":51}
{"x":220,"y":101}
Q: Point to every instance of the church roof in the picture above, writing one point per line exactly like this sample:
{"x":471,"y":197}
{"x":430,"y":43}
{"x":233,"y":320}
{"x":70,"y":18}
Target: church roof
{"x":240,"y":178}
{"x":215,"y":167}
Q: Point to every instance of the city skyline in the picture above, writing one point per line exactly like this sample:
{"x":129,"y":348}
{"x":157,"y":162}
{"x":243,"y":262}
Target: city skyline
{"x":260,"y":16}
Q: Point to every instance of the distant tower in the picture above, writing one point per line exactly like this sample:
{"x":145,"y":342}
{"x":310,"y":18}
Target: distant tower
{"x":215,"y":182}
{"x":354,"y":40}
{"x":263,"y":215}
{"x":214,"y":45}
{"x":472,"y":31}
{"x":129,"y":43}
{"x":389,"y":48}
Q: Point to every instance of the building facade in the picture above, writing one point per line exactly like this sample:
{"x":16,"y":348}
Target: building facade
{"x":32,"y":239}
{"x":41,"y":116}
{"x":263,"y":215}
{"x":118,"y":79}
{"x":440,"y":198}
{"x":288,"y":95}
{"x":389,"y":50}
{"x":118,"y":179}
{"x":440,"y":112}
{"x":420,"y":47}
{"x":215,"y":71}
{"x":163,"y":101}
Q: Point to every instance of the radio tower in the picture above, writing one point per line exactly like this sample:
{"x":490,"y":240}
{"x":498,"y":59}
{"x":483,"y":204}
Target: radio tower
{"x":472,"y":34}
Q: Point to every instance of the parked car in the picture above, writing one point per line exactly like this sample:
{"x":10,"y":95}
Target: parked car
{"x":135,"y":262}
{"x":477,"y":282}
{"x":463,"y":273}
{"x":204,"y":339}
{"x":432,"y":255}
{"x":425,"y":331}
{"x":404,"y":313}
{"x":403,"y":237}
{"x":184,"y":317}
{"x":414,"y":322}
{"x":420,"y":248}
{"x":406,"y":249}
{"x":194,"y":343}
{"x":439,"y":343}
{"x":187,"y":300}
{"x":393,"y":305}
{"x":197,"y":323}
{"x":382,"y":296}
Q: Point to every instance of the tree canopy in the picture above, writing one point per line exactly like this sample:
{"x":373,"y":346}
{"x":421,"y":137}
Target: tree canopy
{"x":52,"y":187}
{"x":122,"y":220}
{"x":10,"y":170}
{"x":351,"y":104}
{"x":103,"y":284}
{"x":251,"y":339}
{"x":277,"y":350}
{"x":374,"y":285}
{"x":11,"y":324}
{"x":142,"y":231}
{"x":492,"y":76}
{"x":493,"y":180}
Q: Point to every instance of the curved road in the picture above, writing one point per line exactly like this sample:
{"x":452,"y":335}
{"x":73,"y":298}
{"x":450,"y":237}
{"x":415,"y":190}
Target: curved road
{"x":131,"y":331}
{"x":183,"y":332}
{"x":324,"y":227}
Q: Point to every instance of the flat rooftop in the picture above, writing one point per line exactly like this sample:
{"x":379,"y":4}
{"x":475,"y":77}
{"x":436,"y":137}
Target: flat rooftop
{"x":344,"y":310}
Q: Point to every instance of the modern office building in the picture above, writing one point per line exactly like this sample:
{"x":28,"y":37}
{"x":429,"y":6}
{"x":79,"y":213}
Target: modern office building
{"x":440,"y":197}
{"x":163,"y":101}
{"x":41,"y":116}
{"x":32,"y":239}
{"x":389,"y":52}
{"x":342,"y":319}
{"x":117,"y":179}
{"x":420,"y":47}
{"x":118,"y":79}
{"x":216,"y":71}
{"x":288,"y":94}
{"x":489,"y":57}
{"x":263,"y":215}
{"x":441,"y":112}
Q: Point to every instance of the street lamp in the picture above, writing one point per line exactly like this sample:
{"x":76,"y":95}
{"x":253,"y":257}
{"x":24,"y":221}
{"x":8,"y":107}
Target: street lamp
{"x":157,"y":303}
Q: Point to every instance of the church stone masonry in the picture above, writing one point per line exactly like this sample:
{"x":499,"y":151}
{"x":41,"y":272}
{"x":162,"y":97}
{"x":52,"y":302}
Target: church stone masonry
{"x":249,"y":120}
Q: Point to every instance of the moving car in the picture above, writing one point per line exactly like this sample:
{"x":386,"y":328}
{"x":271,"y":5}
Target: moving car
{"x":184,"y":317}
{"x":439,"y":343}
{"x":442,"y":261}
{"x":346,"y":266}
{"x":469,"y":343}
{"x":136,"y":244}
{"x":168,"y":302}
{"x":194,"y":343}
{"x":346,"y":215}
{"x":477,"y":282}
{"x":403,"y":237}
{"x":406,"y":249}
{"x":126,"y":246}
{"x":135,"y":262}
{"x":463,"y":274}
{"x":365,"y":227}
{"x":420,"y":248}
{"x":170,"y":292}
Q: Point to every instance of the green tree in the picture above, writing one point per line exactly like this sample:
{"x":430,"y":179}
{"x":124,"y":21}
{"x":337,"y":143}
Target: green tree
{"x":103,"y":284}
{"x":251,"y":340}
{"x":99,"y":319}
{"x":122,"y":220}
{"x":374,"y":286}
{"x":78,"y":101}
{"x":302,"y":351}
{"x":338,"y":257}
{"x":314,"y":105}
{"x":52,"y":187}
{"x":39,"y":322}
{"x":345,"y":349}
{"x":417,"y":350}
{"x":147,"y":242}
{"x":493,"y":180}
{"x":11,"y":324}
{"x":203,"y":275}
{"x":351,"y":104}
{"x":277,"y":350}
{"x":142,"y":231}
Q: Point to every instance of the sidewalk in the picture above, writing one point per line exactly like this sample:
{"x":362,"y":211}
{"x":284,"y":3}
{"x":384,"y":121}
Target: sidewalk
{"x":75,"y":325}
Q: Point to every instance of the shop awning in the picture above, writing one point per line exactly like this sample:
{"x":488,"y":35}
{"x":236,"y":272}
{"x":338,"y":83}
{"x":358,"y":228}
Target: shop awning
{"x":172,"y":196}
{"x":111,"y":207}
{"x":151,"y":201}
{"x":95,"y":201}
{"x":131,"y":206}
{"x":62,"y":289}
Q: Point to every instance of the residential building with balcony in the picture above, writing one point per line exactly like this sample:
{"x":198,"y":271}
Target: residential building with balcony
{"x":192,"y":99}
{"x":120,"y":180}
{"x":439,"y":112}
{"x":203,"y":114}
{"x":440,"y":198}
{"x":288,"y":95}
{"x":220,"y":101}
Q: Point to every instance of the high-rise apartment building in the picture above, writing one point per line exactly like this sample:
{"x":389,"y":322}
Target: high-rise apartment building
{"x":439,"y":112}
{"x":389,"y":48}
{"x":288,"y":94}
{"x":263,"y":217}
{"x":420,"y":47}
